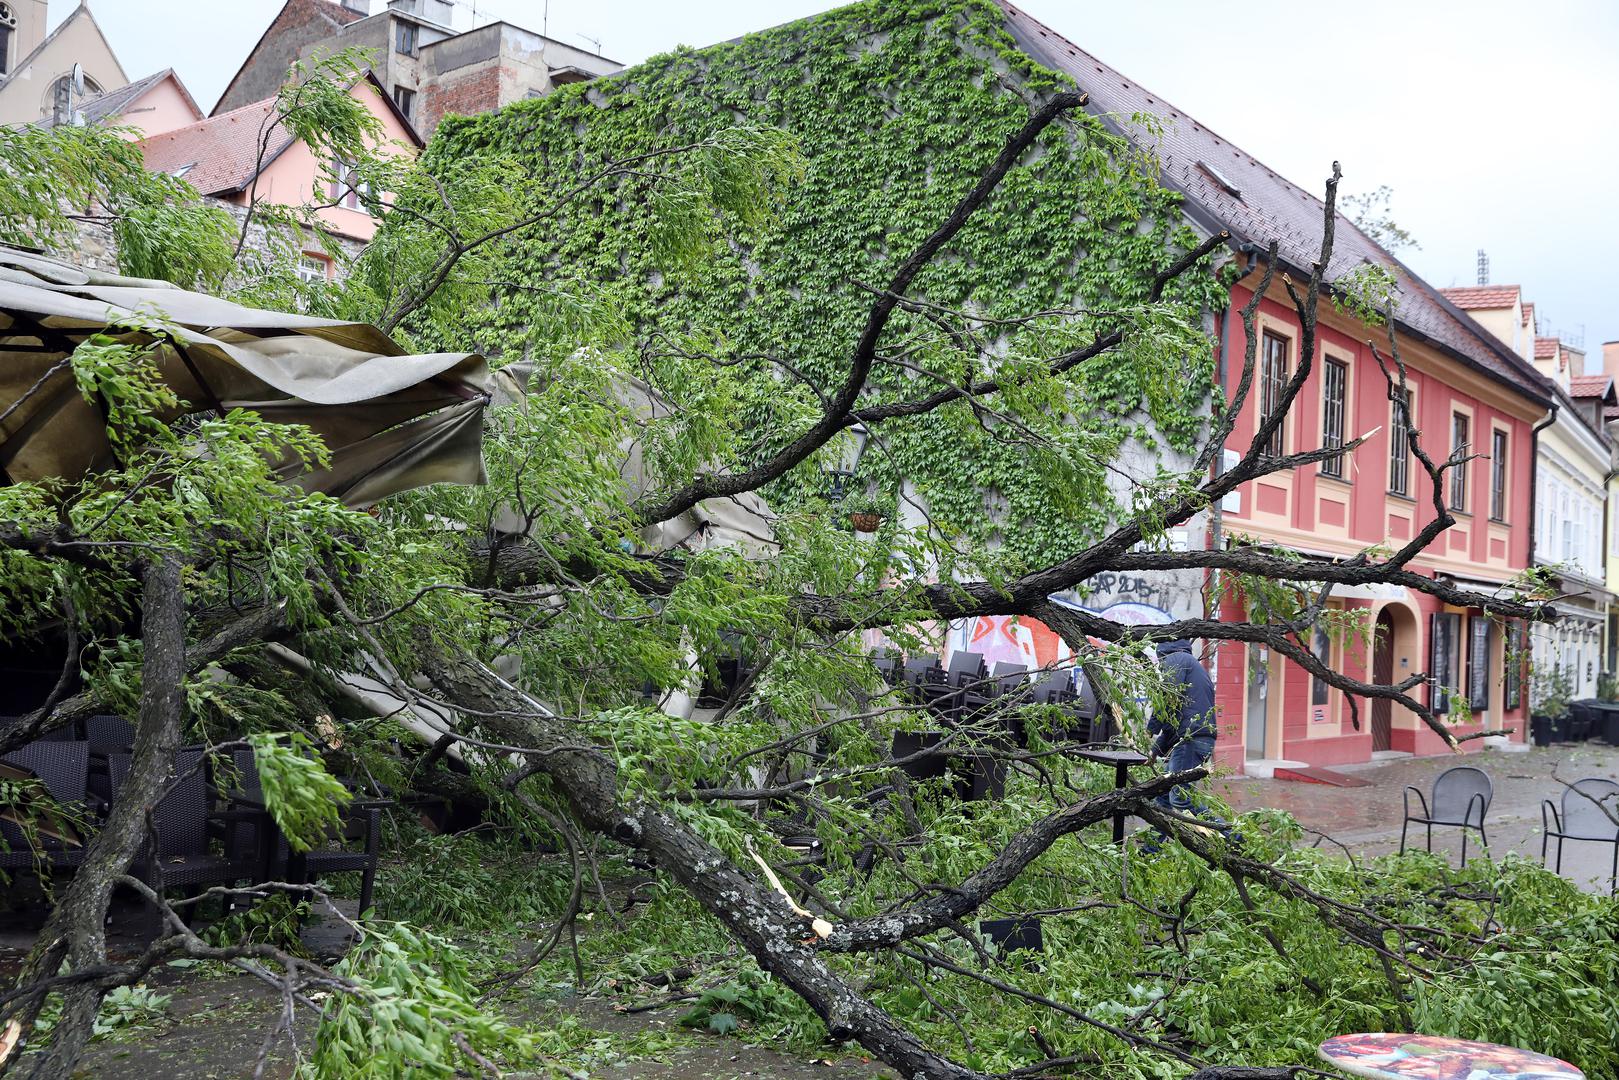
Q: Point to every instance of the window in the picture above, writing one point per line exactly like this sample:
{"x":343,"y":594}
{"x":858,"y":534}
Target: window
{"x":1498,"y":477}
{"x":1516,"y":652}
{"x":347,"y":189}
{"x":405,"y":37}
{"x":1334,"y":380}
{"x":1478,"y":663}
{"x":1399,"y":448}
{"x":314,"y":268}
{"x":1322,"y":647}
{"x":1272,"y":384}
{"x":1444,"y":662}
{"x":405,"y":98}
{"x":8,"y":25}
{"x":1459,"y":424}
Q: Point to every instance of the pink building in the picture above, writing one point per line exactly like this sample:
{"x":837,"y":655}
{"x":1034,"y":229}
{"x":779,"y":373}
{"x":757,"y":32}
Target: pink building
{"x":1466,"y":387}
{"x":228,"y":157}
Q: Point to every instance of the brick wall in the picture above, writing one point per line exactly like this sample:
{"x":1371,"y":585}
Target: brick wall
{"x":299,"y":23}
{"x":463,"y":92}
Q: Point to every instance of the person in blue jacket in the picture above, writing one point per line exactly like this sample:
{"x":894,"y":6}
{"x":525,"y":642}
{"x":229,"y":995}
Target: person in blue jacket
{"x":1185,"y":737}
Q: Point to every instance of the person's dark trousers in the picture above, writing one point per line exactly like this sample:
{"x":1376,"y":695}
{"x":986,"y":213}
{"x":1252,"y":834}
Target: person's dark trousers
{"x":1186,"y":754}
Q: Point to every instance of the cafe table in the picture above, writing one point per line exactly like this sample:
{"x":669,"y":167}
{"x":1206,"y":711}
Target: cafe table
{"x":1122,"y":761}
{"x":1397,"y":1056}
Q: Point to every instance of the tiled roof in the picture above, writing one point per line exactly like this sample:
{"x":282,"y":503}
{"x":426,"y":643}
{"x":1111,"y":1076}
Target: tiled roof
{"x":1610,"y":412}
{"x":1546,"y":348}
{"x":221,"y":150}
{"x":111,"y":105}
{"x":1482,"y":297}
{"x":1528,"y":313}
{"x":1258,"y":206}
{"x":1591,"y":386}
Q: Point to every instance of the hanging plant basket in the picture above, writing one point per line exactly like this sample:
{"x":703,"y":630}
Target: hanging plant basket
{"x":865,"y":521}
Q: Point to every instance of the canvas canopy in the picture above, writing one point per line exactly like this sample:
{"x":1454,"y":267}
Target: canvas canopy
{"x":392,"y":421}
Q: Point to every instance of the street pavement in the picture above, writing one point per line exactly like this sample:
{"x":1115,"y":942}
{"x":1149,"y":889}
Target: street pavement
{"x":1367,"y":819}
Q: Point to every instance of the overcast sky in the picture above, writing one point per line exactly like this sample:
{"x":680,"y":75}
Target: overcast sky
{"x":1495,"y":122}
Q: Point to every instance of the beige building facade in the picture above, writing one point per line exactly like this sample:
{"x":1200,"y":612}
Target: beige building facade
{"x":48,"y":76}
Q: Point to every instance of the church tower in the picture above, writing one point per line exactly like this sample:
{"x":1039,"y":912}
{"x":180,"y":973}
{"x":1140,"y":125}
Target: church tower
{"x":22,"y":28}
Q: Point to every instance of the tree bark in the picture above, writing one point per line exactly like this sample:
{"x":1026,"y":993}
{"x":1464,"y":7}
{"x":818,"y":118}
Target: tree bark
{"x":75,"y":932}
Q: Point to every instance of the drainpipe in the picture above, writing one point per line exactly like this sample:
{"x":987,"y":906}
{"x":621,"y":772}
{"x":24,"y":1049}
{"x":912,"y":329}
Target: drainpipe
{"x":1534,"y":472}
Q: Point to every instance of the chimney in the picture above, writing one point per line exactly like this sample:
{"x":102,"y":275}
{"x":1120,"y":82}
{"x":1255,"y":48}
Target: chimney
{"x":1610,"y":358}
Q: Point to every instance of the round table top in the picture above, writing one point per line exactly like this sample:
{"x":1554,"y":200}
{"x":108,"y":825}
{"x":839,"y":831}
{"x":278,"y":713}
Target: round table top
{"x":1394,"y":1056}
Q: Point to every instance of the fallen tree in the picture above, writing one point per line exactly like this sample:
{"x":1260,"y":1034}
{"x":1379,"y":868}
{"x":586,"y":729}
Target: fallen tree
{"x":533,"y":645}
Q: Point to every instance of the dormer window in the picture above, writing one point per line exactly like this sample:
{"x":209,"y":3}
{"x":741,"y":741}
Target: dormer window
{"x":1220,"y":178}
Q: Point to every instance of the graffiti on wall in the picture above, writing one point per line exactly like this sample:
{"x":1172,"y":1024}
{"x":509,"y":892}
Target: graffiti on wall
{"x":1131,"y":599}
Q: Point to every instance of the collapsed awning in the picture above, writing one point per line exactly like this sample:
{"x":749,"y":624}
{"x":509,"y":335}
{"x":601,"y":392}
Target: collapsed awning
{"x":744,"y":521}
{"x":391,"y":421}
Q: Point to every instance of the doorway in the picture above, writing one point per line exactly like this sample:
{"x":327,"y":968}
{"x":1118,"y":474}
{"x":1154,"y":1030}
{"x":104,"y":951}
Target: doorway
{"x":1383,"y":674}
{"x":1256,"y":719}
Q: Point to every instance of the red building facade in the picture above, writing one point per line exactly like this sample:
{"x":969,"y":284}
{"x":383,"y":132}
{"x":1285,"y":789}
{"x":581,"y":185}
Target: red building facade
{"x":1271,"y":709}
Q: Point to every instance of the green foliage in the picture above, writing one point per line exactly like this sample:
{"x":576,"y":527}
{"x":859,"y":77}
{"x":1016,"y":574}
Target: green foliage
{"x":1371,"y":213}
{"x":128,"y":1009}
{"x":755,"y":997}
{"x":888,"y":115}
{"x":306,"y":801}
{"x":416,"y":1004}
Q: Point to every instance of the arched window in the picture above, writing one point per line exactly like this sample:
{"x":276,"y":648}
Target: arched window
{"x":64,"y":97}
{"x":8,"y":27}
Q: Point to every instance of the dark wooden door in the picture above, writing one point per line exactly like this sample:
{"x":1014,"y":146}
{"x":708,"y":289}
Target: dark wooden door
{"x":1383,"y":673}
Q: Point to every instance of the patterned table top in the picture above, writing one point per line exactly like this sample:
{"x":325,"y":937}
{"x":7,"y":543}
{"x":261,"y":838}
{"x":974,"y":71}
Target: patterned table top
{"x":1394,"y":1056}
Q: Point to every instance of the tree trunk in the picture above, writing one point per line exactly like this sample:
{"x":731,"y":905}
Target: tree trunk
{"x":75,"y":932}
{"x":779,"y":939}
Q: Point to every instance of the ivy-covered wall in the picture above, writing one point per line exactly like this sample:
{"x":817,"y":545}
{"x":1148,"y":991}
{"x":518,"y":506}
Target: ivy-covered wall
{"x":897,"y":107}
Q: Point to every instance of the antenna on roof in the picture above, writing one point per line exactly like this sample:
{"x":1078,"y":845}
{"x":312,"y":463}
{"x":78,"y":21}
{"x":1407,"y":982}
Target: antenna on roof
{"x":1483,"y":267}
{"x":594,"y":41}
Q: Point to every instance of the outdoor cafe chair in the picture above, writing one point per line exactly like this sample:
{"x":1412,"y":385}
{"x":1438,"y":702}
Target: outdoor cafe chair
{"x":178,"y":853}
{"x":361,"y":828}
{"x":1590,"y":812}
{"x":1461,"y":798}
{"x":63,"y":767}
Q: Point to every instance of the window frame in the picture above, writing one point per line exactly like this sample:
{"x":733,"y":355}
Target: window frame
{"x":405,"y":102}
{"x":1400,"y":400}
{"x":1271,"y":389}
{"x":1461,"y":434}
{"x":407,"y":37}
{"x":1330,"y":438}
{"x":308,"y":260}
{"x":1500,"y":457}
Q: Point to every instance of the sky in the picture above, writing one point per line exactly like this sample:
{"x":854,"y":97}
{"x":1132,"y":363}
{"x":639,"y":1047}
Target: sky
{"x":1495,"y":123}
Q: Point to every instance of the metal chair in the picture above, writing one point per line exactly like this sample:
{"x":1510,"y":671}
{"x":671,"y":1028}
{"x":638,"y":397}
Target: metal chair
{"x":1590,"y":812}
{"x":1461,"y":798}
{"x":63,"y":767}
{"x":887,"y":664}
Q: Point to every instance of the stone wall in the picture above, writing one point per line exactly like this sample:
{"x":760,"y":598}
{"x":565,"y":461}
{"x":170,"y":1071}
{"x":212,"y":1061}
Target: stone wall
{"x":97,"y":250}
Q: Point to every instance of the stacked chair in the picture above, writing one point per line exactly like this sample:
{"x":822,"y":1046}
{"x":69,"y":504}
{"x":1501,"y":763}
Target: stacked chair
{"x":968,"y":691}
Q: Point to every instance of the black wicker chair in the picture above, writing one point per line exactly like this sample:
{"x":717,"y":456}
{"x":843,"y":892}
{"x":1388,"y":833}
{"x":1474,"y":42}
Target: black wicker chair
{"x":63,"y":767}
{"x":179,"y":854}
{"x":362,"y":825}
{"x":107,"y":735}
